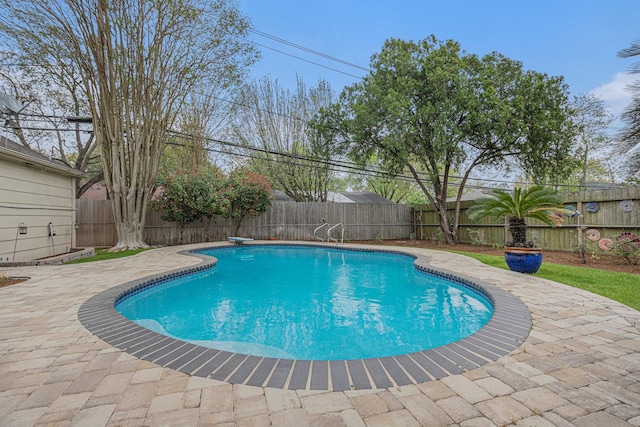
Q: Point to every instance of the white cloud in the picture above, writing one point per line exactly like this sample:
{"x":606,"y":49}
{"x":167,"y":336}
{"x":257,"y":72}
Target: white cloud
{"x":615,"y":93}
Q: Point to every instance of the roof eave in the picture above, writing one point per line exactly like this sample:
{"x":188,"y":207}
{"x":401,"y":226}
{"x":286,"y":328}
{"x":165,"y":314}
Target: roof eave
{"x":34,"y":161}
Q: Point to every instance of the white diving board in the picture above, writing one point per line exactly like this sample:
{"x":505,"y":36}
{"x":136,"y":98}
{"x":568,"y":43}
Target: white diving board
{"x":239,"y":239}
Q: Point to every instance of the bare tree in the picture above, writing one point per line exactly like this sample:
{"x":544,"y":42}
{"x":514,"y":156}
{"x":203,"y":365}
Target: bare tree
{"x":592,"y":120}
{"x":13,"y":84}
{"x":630,"y":136}
{"x":138,"y":60}
{"x":274,"y":121}
{"x":204,"y":116}
{"x":49,"y":124}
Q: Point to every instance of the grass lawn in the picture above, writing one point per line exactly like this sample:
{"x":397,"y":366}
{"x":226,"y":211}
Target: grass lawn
{"x":102,"y":254}
{"x":621,"y":287}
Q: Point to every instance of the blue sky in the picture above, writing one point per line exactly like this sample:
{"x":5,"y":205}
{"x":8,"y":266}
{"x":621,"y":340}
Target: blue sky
{"x":577,"y":39}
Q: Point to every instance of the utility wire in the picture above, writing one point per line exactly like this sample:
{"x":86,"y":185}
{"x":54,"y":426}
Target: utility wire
{"x":349,"y":166}
{"x":342,"y":164}
{"x":333,"y":167}
{"x":306,"y":49}
{"x":49,"y":129}
{"x":305,"y":60}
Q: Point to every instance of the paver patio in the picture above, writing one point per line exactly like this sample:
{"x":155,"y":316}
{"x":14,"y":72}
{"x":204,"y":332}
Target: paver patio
{"x":579,"y":366}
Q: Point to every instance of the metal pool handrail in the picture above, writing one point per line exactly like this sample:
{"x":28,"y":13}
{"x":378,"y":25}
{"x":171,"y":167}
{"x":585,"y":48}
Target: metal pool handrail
{"x":329,"y":238}
{"x":318,"y":228}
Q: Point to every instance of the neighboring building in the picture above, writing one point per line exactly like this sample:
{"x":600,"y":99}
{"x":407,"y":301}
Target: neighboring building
{"x":37,"y":204}
{"x":473,"y":195}
{"x":356,"y":197}
{"x":281,"y":196}
{"x":95,"y":192}
{"x":342,"y":197}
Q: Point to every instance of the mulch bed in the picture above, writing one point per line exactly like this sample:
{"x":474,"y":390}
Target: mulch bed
{"x":11,"y":281}
{"x":602,"y":262}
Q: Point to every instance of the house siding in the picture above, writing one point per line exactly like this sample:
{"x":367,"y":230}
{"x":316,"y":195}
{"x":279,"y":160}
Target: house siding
{"x":35,"y":196}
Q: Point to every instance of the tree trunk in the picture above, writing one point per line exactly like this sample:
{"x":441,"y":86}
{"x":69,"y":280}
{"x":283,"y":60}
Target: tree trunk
{"x":129,"y":236}
{"x":129,"y":213}
{"x":518,"y":229}
{"x":450,"y":236}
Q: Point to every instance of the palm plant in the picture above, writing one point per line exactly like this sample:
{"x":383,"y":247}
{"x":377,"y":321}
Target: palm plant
{"x":536,"y":202}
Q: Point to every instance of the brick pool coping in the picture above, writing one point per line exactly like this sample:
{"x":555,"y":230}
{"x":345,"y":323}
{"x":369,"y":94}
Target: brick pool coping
{"x":506,"y":330}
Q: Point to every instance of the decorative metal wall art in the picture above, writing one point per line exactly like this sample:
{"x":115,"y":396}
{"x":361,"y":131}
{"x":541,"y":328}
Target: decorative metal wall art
{"x":593,"y":234}
{"x":572,"y":210}
{"x":592,"y":207}
{"x":626,"y":205}
{"x":628,"y":236}
{"x":605,"y":244}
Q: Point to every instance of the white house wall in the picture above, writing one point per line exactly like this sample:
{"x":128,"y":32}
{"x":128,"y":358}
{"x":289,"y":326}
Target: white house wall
{"x":35,"y":196}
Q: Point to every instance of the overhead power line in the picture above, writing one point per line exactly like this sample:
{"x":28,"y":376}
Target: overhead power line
{"x":305,"y":60}
{"x":310,"y":163}
{"x":341,"y":164}
{"x":344,"y":166}
{"x":306,"y":49}
{"x":48,"y":129}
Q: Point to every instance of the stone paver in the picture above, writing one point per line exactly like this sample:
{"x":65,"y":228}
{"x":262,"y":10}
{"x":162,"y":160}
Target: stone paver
{"x":425,"y":410}
{"x":458,"y":409}
{"x":580,"y":366}
{"x":281,"y":400}
{"x":494,"y":386}
{"x":352,"y":419}
{"x":368,"y":405}
{"x":400,"y":418}
{"x":43,"y":396}
{"x":250,"y":407}
{"x":539,"y":399}
{"x":166,"y":403}
{"x":292,"y":417}
{"x":600,"y":419}
{"x":466,"y":388}
{"x":477,"y":422}
{"x":503,"y":410}
{"x":325,"y":403}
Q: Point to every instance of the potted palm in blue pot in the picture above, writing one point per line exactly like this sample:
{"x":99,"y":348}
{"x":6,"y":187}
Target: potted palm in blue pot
{"x":537,"y":202}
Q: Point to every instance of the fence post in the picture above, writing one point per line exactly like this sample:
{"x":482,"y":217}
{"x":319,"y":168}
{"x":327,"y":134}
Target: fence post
{"x":506,"y":229}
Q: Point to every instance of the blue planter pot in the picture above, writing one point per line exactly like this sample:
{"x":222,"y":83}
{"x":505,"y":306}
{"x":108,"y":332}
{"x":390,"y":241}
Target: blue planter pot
{"x":523,"y":260}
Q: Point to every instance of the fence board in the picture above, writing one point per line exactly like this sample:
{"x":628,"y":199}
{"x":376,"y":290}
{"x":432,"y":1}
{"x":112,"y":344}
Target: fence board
{"x":296,"y":221}
{"x":609,"y":220}
{"x":283,"y":221}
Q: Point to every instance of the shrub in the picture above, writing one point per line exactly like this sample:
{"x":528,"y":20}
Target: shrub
{"x":542,"y":203}
{"x":185,"y":198}
{"x":477,"y":237}
{"x":245,"y":193}
{"x":628,"y":249}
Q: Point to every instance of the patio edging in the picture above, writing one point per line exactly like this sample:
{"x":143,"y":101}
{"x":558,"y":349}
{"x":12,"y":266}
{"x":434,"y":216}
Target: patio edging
{"x":505,"y":331}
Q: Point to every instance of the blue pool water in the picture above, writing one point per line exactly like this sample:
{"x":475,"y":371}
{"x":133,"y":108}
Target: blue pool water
{"x":310,"y":303}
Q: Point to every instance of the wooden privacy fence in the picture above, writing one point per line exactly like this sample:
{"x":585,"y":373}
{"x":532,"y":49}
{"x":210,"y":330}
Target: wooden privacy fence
{"x":283,"y":221}
{"x":605,"y":214}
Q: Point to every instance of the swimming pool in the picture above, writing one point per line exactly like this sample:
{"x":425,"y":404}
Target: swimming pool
{"x":506,"y":330}
{"x":311,"y":303}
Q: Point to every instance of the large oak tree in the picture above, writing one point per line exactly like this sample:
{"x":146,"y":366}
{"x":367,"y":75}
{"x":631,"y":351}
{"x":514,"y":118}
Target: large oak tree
{"x":433,"y":110}
{"x":138,"y":60}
